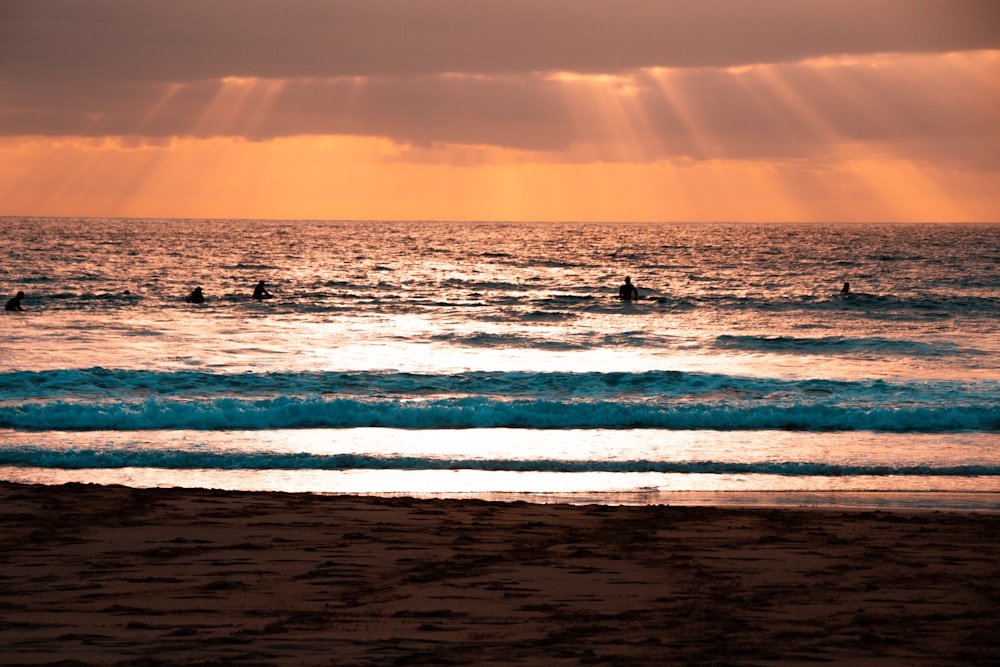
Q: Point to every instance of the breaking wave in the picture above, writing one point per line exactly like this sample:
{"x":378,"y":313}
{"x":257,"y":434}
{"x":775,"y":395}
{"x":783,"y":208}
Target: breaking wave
{"x":285,"y":412}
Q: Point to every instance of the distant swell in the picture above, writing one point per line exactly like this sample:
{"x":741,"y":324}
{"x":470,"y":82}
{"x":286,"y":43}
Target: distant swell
{"x":479,"y":412}
{"x":838,"y":344}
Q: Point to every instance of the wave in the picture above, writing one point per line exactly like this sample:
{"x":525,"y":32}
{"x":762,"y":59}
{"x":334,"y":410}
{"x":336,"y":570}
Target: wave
{"x":840,"y":344}
{"x":94,"y":384}
{"x":478,"y":412}
{"x":512,"y":341}
{"x":872,"y":306}
{"x":174,"y":459}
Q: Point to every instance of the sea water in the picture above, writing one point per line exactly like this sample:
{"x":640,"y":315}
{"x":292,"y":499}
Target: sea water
{"x":495,"y":360}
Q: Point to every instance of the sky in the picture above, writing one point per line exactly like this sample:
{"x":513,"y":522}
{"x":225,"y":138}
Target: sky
{"x":589,"y":110}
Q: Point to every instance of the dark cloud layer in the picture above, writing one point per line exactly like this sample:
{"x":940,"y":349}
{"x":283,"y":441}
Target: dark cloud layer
{"x":185,"y":40}
{"x":475,"y":72}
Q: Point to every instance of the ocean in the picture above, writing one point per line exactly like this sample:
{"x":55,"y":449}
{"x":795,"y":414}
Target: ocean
{"x":495,"y":361}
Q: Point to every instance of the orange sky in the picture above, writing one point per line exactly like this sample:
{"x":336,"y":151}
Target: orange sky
{"x":880,"y":110}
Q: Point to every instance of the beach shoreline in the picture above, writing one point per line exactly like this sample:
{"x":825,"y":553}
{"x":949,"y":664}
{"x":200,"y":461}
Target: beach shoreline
{"x":112,"y":575}
{"x":694,"y":489}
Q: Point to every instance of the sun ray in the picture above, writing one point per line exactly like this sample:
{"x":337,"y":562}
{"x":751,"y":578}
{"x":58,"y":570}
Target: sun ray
{"x":239,"y":106}
{"x":607,"y":113}
{"x":170,"y":92}
{"x":698,"y":141}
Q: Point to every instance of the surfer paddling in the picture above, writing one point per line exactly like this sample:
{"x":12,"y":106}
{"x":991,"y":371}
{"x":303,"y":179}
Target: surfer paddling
{"x":14,"y":303}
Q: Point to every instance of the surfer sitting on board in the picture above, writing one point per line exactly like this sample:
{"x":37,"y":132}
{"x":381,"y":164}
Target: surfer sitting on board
{"x":196,"y":296}
{"x":628,"y":292}
{"x":260,"y":292}
{"x":14,"y":303}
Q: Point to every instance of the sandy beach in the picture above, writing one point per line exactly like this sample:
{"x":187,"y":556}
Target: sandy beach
{"x":93,"y":575}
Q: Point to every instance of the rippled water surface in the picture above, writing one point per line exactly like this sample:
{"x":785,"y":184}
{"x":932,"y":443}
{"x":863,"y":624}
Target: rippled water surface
{"x":485,"y":359}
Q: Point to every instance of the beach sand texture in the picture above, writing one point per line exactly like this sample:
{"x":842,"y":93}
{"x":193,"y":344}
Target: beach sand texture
{"x":93,"y":575}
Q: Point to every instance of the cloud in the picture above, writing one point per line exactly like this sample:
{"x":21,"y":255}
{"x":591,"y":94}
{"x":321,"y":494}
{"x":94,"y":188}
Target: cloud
{"x":622,"y":80}
{"x":189,"y":40}
{"x":932,"y":108}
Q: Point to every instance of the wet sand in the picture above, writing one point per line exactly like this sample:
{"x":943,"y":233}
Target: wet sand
{"x":94,"y":575}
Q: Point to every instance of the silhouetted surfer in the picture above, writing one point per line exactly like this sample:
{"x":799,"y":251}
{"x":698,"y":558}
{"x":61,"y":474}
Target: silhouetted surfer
{"x":846,"y":289}
{"x":260,"y":292}
{"x":196,"y":296}
{"x":14,"y":303}
{"x":628,"y":292}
